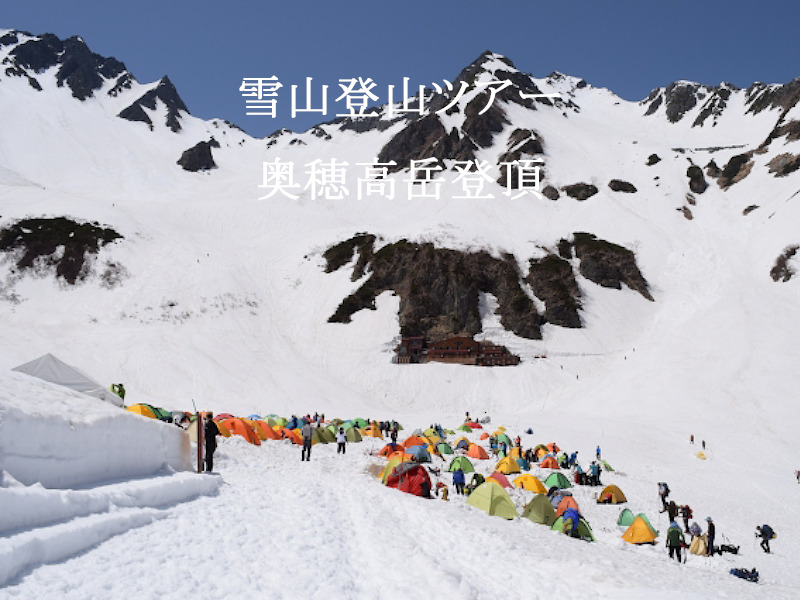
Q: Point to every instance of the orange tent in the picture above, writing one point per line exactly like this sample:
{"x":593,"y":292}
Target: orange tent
{"x":142,"y":409}
{"x":239,"y":427}
{"x":549,"y":463}
{"x":372,"y":431}
{"x":484,"y":436}
{"x":476,"y":451}
{"x":500,"y":478}
{"x":415,"y":440}
{"x":566,"y":502}
{"x":401,"y":455}
{"x":390,"y":449}
{"x":291,"y":435}
{"x":553,"y":447}
{"x":265,"y":431}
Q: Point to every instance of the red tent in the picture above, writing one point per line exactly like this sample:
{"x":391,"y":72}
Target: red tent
{"x":500,"y":478}
{"x":411,"y":478}
{"x":474,"y":425}
{"x":549,"y":463}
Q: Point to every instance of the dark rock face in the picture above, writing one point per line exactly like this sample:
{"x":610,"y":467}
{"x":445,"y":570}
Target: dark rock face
{"x":783,"y":271}
{"x":761,"y":97}
{"x":439,"y":288}
{"x":697,"y":183}
{"x":481,"y":127}
{"x":553,"y":282}
{"x":687,"y":213}
{"x":339,"y":255}
{"x":738,"y":168}
{"x":785,"y":163}
{"x":608,"y":265}
{"x":550,"y":193}
{"x":198,"y":157}
{"x":580,"y":191}
{"x":425,"y":138}
{"x":680,"y":98}
{"x":749,"y":209}
{"x":80,"y":69}
{"x":168,"y":95}
{"x":521,"y":143}
{"x":618,"y":185}
{"x":9,"y":39}
{"x":712,"y":170}
{"x":714,"y":106}
{"x":34,"y":243}
{"x":653,"y":159}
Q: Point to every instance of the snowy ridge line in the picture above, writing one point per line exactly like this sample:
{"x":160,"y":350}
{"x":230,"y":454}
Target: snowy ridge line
{"x":31,"y":549}
{"x":35,"y":506}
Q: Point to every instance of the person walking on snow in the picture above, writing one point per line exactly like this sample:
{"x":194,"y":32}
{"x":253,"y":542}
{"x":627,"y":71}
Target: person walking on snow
{"x":210,"y":433}
{"x":766,"y":534}
{"x":597,"y":453}
{"x":307,"y":431}
{"x":458,"y":481}
{"x":675,"y":541}
{"x":686,"y":514}
{"x":663,"y":492}
{"x":341,"y":441}
{"x":691,"y":439}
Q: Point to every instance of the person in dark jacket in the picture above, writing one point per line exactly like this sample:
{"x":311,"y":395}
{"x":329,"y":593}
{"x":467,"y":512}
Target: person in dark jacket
{"x":765,"y":533}
{"x":663,"y":492}
{"x":671,"y":509}
{"x":712,"y":531}
{"x":308,"y":433}
{"x":210,"y":433}
{"x":458,"y":481}
{"x":686,"y":514}
{"x":675,"y":541}
{"x":341,"y":441}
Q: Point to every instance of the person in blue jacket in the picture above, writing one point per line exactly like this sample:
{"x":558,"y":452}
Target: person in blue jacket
{"x":765,"y":533}
{"x":458,"y":481}
{"x":571,"y":519}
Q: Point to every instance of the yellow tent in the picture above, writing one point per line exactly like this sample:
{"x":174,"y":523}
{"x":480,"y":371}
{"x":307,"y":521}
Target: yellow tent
{"x":393,"y":462}
{"x":639,"y":533}
{"x":493,"y":499}
{"x":611,"y":494}
{"x":507,"y":466}
{"x":530,"y":483}
{"x":701,"y":455}
{"x":141,"y":409}
{"x":515,"y":452}
{"x":372,"y":431}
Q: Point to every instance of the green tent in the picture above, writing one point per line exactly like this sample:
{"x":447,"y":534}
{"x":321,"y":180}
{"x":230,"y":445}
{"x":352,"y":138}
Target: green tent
{"x":333,"y":429}
{"x":504,"y":438}
{"x":444,"y":448}
{"x":336,"y":422}
{"x":465,"y":428}
{"x":584,"y":531}
{"x":281,"y":421}
{"x":352,"y":435}
{"x":501,"y":454}
{"x":625,"y":518}
{"x":558,"y":480}
{"x":161,"y":413}
{"x":492,"y":498}
{"x":606,"y":466}
{"x":360,"y":423}
{"x":449,"y":432}
{"x":461,"y":462}
{"x":323,"y":435}
{"x":271,"y":421}
{"x":647,"y":522}
{"x":540,"y":510}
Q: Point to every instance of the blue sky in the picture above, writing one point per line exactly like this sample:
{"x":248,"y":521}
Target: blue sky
{"x":630,"y":47}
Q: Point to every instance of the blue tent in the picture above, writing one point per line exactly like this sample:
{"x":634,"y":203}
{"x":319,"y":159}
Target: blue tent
{"x":420,"y":453}
{"x":254,"y":417}
{"x":463,"y":444}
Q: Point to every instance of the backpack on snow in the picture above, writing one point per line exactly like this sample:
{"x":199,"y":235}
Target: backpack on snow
{"x":769,"y":531}
{"x":745,"y":574}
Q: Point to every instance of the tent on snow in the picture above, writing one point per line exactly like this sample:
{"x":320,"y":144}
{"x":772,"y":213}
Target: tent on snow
{"x":499,"y":478}
{"x":699,"y":545}
{"x":540,"y":450}
{"x":625,"y":518}
{"x":52,"y":369}
{"x":461,"y":462}
{"x":389,"y":449}
{"x":464,"y":428}
{"x":420,"y":453}
{"x":463,"y":444}
{"x":142,"y":409}
{"x":415,"y":440}
{"x":549,"y":463}
{"x":353,"y":435}
{"x":444,"y":448}
{"x":640,"y":532}
{"x":530,"y":483}
{"x":507,"y":466}
{"x":557,"y":480}
{"x":240,"y":428}
{"x":476,"y":451}
{"x":611,"y":494}
{"x":584,"y":531}
{"x":540,"y":511}
{"x":492,"y":499}
{"x":606,"y":466}
{"x":410,"y":478}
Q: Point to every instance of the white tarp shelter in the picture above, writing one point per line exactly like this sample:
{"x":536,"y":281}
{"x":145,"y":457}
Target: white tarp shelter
{"x":54,"y":370}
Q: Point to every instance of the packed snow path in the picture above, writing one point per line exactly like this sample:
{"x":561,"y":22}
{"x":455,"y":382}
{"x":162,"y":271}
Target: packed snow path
{"x":328,"y":529}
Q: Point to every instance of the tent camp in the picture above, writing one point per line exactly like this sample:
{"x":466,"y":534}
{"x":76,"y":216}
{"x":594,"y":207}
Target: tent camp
{"x":540,"y":511}
{"x":492,"y":499}
{"x":611,"y":494}
{"x":640,"y":532}
{"x":54,"y":370}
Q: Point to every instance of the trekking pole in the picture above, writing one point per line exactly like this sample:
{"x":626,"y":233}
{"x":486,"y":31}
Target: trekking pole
{"x":199,"y":438}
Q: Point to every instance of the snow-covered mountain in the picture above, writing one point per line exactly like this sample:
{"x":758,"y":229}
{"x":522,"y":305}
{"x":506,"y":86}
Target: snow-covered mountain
{"x":205,"y":289}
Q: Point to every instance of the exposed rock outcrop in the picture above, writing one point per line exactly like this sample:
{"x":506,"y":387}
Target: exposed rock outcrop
{"x":608,"y":264}
{"x":618,"y":185}
{"x":737,"y":168}
{"x":58,"y":243}
{"x":164,"y":92}
{"x":783,"y":164}
{"x":580,"y":191}
{"x":198,"y":157}
{"x":552,"y":280}
{"x":697,"y":183}
{"x":783,"y":271}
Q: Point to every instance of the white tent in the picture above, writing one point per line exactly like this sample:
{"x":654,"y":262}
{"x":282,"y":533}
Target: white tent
{"x":54,"y":370}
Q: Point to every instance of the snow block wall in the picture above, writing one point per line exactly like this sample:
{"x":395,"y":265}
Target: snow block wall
{"x":60,"y":438}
